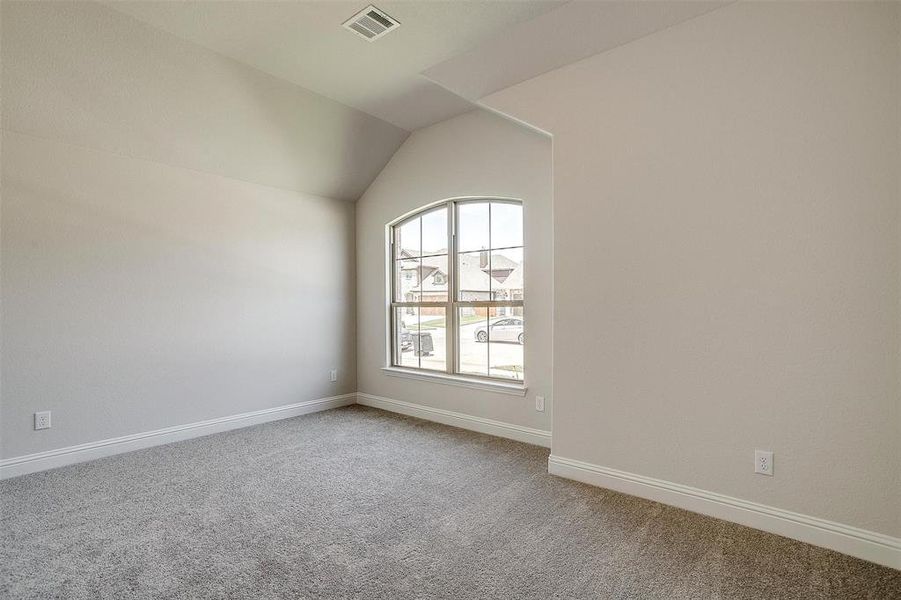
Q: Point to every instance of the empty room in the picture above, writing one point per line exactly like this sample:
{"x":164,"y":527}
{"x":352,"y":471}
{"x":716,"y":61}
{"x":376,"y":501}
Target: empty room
{"x":450,"y":299}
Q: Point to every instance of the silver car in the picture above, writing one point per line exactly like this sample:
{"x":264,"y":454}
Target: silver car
{"x":502,"y":329}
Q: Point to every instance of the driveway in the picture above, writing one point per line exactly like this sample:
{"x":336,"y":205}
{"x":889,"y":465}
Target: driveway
{"x":474,"y":355}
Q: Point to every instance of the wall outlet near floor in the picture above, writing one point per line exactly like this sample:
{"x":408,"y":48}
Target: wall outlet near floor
{"x":539,"y":403}
{"x":42,"y":420}
{"x":763,"y":462}
{"x":333,"y":375}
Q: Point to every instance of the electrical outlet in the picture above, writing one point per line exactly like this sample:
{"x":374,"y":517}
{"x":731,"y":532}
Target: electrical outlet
{"x":333,"y":375}
{"x":763,"y":462}
{"x":42,"y":420}
{"x":539,"y":403}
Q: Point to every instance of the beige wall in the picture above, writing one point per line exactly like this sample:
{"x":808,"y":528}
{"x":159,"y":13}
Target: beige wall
{"x":475,"y":154}
{"x":86,"y":74}
{"x":151,"y":274}
{"x":727,"y":255}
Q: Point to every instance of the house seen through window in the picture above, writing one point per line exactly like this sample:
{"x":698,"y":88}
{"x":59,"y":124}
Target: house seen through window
{"x":458,"y":289}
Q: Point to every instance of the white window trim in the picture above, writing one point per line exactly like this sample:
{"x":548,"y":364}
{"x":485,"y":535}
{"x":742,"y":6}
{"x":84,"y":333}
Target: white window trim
{"x":450,"y":377}
{"x":514,"y":388}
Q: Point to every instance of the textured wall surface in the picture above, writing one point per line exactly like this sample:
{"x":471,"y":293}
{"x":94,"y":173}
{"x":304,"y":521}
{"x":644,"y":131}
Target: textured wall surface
{"x":727,"y":211}
{"x":475,"y":154}
{"x":138,"y":296}
{"x":83,"y":73}
{"x":158,"y":265}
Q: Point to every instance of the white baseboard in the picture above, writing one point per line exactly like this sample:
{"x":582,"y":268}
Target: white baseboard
{"x":41,"y":461}
{"x":519,"y":433}
{"x":868,"y":545}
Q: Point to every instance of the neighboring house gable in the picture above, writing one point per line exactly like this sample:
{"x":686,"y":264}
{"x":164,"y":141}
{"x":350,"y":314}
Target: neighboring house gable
{"x":428,"y":276}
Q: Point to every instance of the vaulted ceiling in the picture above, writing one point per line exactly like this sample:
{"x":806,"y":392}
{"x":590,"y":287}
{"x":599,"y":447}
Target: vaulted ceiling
{"x":304,"y":43}
{"x":445,"y":55}
{"x":556,"y":38}
{"x":148,"y":78}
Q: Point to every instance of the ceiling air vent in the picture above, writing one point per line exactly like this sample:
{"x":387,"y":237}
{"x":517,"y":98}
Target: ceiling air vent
{"x":371,"y":23}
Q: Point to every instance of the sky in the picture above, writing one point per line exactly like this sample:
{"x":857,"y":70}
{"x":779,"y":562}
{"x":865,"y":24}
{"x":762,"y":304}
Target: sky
{"x":472,"y":228}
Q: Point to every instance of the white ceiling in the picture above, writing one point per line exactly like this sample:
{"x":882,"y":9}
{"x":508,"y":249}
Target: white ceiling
{"x":570,"y":33}
{"x":303,"y":42}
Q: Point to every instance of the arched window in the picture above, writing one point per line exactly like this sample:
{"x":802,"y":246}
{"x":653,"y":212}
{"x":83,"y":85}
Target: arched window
{"x":457,"y":289}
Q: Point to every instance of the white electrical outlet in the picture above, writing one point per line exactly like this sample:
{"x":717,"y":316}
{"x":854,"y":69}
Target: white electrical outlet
{"x":42,"y":420}
{"x":333,"y":375}
{"x":763,"y":462}
{"x":539,"y":403}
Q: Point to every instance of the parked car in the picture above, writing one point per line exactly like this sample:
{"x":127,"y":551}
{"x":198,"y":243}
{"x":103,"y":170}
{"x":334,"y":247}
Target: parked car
{"x":502,"y":329}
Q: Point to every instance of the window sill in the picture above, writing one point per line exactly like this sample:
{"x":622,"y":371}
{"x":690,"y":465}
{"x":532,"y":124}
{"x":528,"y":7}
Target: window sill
{"x":513,"y":389}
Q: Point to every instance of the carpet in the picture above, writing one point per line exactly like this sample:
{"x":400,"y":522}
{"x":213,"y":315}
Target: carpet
{"x":360,"y":503}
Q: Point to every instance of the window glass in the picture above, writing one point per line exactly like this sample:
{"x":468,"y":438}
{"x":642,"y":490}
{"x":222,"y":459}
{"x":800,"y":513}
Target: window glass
{"x":433,"y":287}
{"x":507,"y":274}
{"x":406,"y":277}
{"x":473,"y":275}
{"x":434,"y":232}
{"x":506,"y":225}
{"x":473,"y":226}
{"x":407,"y":240}
{"x":481,"y":258}
{"x":505,"y":352}
{"x":472,"y":336}
{"x":431,"y":343}
{"x":406,"y":321}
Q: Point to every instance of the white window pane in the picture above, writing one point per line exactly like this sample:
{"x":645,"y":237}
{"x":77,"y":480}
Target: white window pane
{"x":506,"y":271}
{"x":488,"y":266}
{"x":506,"y":337}
{"x":473,"y":279}
{"x":431,"y":341}
{"x":406,"y":321}
{"x":406,"y":280}
{"x":434,"y":232}
{"x":407,"y":242}
{"x":434,"y":284}
{"x":506,"y":225}
{"x":472,"y":340}
{"x":472,"y":226}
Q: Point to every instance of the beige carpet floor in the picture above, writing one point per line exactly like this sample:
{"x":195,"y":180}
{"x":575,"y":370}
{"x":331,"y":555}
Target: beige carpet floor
{"x":359,"y":503}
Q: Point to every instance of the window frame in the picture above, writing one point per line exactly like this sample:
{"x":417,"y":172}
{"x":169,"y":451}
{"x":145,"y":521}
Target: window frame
{"x":453,"y":304}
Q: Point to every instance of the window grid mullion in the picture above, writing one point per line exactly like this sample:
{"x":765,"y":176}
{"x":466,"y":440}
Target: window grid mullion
{"x":453,"y":303}
{"x":450,"y":317}
{"x":490,"y":297}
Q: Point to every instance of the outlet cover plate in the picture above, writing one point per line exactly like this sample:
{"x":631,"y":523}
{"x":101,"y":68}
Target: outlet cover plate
{"x":42,"y":420}
{"x":763,"y":462}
